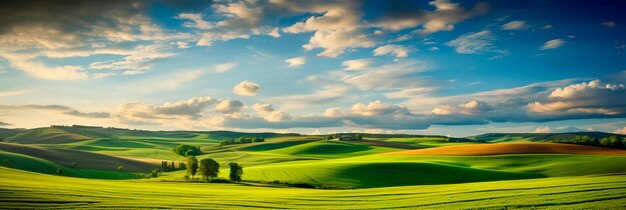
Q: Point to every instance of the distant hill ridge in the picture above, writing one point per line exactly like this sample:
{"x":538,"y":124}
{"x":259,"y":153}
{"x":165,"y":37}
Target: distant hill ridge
{"x":540,"y":137}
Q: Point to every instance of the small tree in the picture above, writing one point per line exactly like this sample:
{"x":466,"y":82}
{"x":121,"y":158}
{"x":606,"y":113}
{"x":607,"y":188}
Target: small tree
{"x":5,"y":162}
{"x":120,"y":168}
{"x":235,"y":172}
{"x":328,"y":137}
{"x":74,"y":165}
{"x":182,"y":166}
{"x":192,"y":166}
{"x":358,"y":137}
{"x":155,"y":173}
{"x":59,"y":172}
{"x":209,"y":168}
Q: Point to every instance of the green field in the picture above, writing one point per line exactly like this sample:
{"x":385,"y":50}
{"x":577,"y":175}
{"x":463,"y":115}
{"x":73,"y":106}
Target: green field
{"x":29,"y":190}
{"x":283,"y":171}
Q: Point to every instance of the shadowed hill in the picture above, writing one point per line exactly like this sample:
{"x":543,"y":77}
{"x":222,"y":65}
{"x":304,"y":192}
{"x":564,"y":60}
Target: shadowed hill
{"x":513,"y":148}
{"x":87,"y":160}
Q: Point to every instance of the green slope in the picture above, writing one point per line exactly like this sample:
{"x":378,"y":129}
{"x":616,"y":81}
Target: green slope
{"x":381,"y":170}
{"x":28,"y":190}
{"x":331,"y":149}
{"x":29,"y":163}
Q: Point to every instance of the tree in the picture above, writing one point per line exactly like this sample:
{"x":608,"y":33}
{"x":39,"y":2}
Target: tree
{"x":328,"y":137}
{"x":192,"y":166}
{"x":120,"y":168}
{"x":5,"y":162}
{"x":615,"y":141}
{"x":235,"y":172}
{"x":74,"y":165}
{"x":172,"y":167}
{"x":209,"y":168}
{"x":182,"y":166}
{"x":187,"y":150}
{"x":155,"y":173}
{"x":59,"y":172}
{"x":358,"y":137}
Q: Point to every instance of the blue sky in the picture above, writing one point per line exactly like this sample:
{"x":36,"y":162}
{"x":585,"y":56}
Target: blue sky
{"x":428,"y":67}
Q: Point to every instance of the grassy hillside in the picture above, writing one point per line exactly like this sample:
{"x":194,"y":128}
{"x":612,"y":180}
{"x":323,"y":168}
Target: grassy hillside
{"x":514,"y":148}
{"x":45,"y":136}
{"x":85,"y":160}
{"x":29,"y":163}
{"x":394,"y":170}
{"x":331,"y":149}
{"x":30,"y":190}
{"x":541,"y":137}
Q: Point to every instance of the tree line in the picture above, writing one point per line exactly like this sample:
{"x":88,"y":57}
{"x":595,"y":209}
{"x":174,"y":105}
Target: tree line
{"x":611,"y":141}
{"x":210,"y":169}
{"x":242,"y":140}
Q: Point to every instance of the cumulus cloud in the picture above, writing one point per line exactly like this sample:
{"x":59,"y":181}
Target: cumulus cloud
{"x":85,"y":29}
{"x":184,"y":109}
{"x":296,"y":62}
{"x":224,"y":67}
{"x":228,"y":106}
{"x":594,"y":97}
{"x":475,"y":43}
{"x":553,"y":44}
{"x":247,"y":88}
{"x":271,"y":115}
{"x":405,"y":14}
{"x":398,"y":50}
{"x":514,"y":25}
{"x":357,"y":64}
{"x":336,"y":42}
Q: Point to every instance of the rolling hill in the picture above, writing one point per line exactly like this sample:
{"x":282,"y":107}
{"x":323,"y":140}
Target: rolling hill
{"x":85,"y":160}
{"x":540,"y":137}
{"x":514,"y":148}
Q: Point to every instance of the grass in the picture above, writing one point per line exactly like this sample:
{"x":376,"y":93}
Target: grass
{"x":424,"y":142}
{"x":20,"y":189}
{"x":28,"y":163}
{"x":331,"y":149}
{"x":380,"y":170}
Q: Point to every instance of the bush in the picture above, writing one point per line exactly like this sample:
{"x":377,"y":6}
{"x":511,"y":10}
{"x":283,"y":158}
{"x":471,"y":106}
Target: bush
{"x":120,"y":168}
{"x":59,"y":172}
{"x":187,"y":150}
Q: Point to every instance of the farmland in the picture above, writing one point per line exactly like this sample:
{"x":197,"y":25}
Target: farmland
{"x":284,"y":171}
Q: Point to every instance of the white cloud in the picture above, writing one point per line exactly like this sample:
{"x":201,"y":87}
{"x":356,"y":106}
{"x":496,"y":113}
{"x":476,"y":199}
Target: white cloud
{"x":544,"y":129}
{"x":608,"y":24}
{"x":185,"y":109}
{"x":336,"y":42}
{"x":296,"y":62}
{"x":182,"y":45}
{"x":228,"y":106}
{"x":621,"y":131}
{"x":271,"y":115}
{"x":397,"y":50}
{"x":553,"y":44}
{"x":246,"y":88}
{"x":40,"y":70}
{"x":224,"y":67}
{"x":475,"y":43}
{"x":443,"y":18}
{"x":196,"y":21}
{"x":180,"y":79}
{"x":514,"y":25}
{"x":358,"y":64}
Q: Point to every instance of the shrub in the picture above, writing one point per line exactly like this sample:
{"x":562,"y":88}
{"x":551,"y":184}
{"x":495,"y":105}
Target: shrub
{"x":187,"y":150}
{"x":120,"y":168}
{"x":59,"y":172}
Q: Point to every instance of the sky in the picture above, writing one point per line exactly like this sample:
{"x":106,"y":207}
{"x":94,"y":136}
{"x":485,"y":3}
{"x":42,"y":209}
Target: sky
{"x":444,"y":67}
